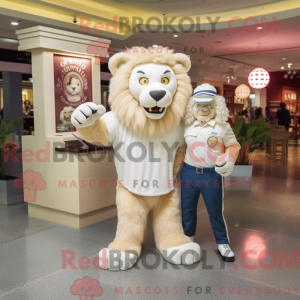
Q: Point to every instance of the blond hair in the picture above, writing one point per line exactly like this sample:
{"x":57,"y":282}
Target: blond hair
{"x":222,"y":112}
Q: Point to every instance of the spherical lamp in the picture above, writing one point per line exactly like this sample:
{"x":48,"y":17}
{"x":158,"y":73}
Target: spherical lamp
{"x":242,"y":91}
{"x":259,"y":78}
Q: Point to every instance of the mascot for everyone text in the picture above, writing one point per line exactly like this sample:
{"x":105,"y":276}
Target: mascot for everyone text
{"x":212,"y":150}
{"x":149,"y":92}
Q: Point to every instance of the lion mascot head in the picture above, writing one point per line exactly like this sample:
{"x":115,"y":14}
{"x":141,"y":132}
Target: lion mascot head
{"x":150,"y":88}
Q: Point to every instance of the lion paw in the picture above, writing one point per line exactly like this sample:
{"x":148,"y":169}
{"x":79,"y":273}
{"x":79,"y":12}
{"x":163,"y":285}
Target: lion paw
{"x":116,"y":260}
{"x":186,"y":254}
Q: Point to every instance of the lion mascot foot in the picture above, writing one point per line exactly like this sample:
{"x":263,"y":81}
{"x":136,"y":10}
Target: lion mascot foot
{"x":115,"y":260}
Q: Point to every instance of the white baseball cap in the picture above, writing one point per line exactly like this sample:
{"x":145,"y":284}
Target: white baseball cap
{"x":204,"y":93}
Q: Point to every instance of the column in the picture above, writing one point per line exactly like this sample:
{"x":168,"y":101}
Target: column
{"x":261,"y":98}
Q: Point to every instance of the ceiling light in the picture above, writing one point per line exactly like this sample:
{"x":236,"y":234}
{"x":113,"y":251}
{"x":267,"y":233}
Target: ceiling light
{"x":289,"y":66}
{"x":154,"y":46}
{"x":175,"y":35}
{"x":284,"y":59}
{"x":259,"y":28}
{"x":282,"y":67}
{"x":259,"y":78}
{"x":14,"y":23}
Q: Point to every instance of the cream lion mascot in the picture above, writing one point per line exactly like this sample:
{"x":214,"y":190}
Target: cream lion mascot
{"x":149,"y":92}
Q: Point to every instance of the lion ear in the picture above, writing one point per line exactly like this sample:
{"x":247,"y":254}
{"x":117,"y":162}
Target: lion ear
{"x":184,"y":60}
{"x":116,"y":62}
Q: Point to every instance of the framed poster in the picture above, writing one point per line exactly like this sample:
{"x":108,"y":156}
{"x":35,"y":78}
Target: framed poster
{"x":238,"y":100}
{"x":73,"y":86}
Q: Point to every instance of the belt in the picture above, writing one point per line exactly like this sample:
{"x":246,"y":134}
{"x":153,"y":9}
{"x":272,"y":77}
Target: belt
{"x":199,"y":170}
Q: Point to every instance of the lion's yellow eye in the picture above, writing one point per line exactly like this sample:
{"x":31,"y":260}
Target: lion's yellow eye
{"x":144,"y":81}
{"x":165,"y":80}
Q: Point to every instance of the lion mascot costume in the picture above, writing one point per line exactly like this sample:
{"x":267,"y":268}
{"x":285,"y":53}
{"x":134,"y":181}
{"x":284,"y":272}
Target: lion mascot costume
{"x":149,"y":91}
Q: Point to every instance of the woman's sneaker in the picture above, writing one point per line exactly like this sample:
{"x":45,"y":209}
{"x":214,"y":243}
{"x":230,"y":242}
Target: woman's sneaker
{"x":225,"y":252}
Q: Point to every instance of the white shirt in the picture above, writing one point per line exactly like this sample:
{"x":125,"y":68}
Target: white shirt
{"x":206,"y":142}
{"x":142,"y":162}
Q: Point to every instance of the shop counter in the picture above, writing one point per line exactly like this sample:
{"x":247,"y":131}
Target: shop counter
{"x":80,"y":184}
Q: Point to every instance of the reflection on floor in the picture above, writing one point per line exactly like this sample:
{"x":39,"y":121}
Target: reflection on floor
{"x":265,"y":220}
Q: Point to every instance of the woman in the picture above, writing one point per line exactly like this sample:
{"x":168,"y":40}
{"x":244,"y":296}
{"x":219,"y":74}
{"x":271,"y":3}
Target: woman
{"x":206,"y":125}
{"x":257,"y":115}
{"x":26,"y":107}
{"x":283,"y":116}
{"x":269,"y":118}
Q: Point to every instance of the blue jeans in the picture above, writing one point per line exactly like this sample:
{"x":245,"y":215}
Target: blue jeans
{"x":210,"y":184}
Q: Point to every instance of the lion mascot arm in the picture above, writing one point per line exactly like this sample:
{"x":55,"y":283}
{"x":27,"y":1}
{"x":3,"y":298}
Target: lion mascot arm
{"x":87,"y":117}
{"x":91,"y":127}
{"x":179,"y":157}
{"x":97,"y":132}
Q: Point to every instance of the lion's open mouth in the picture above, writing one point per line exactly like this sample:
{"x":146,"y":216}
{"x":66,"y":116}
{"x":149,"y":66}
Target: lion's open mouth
{"x":154,"y":110}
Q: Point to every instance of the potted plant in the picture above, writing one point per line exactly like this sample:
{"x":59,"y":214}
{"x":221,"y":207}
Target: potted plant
{"x":8,"y":193}
{"x":249,"y":136}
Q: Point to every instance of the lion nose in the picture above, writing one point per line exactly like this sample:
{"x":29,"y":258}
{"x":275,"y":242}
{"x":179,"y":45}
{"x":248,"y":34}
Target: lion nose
{"x":157,"y":95}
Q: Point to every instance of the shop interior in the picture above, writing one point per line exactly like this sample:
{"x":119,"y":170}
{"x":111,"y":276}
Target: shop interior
{"x":50,"y":237}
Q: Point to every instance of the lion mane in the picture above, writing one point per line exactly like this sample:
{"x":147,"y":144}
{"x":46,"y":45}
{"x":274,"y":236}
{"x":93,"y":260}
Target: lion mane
{"x":128,"y":109}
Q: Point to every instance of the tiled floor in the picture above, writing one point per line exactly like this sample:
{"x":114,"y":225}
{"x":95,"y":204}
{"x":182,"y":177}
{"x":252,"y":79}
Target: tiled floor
{"x":265,"y":220}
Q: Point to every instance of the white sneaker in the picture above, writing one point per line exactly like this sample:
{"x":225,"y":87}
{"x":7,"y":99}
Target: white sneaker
{"x":226,"y":253}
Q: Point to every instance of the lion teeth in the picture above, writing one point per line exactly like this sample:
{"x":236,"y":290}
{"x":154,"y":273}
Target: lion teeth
{"x":161,"y":109}
{"x":150,"y":109}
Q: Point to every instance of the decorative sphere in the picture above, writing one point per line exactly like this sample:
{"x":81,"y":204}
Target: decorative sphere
{"x":242,"y":91}
{"x":259,"y":78}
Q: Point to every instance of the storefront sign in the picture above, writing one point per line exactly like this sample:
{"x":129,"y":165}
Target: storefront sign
{"x":73,"y":86}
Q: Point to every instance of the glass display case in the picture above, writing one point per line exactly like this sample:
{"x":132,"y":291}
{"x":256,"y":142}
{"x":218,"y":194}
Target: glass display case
{"x":289,"y":95}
